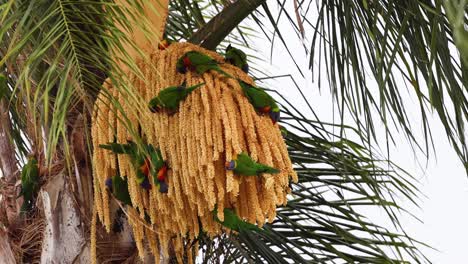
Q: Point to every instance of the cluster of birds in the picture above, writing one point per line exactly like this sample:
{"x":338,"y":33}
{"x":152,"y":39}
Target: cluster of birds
{"x":151,"y":169}
{"x":169,"y":98}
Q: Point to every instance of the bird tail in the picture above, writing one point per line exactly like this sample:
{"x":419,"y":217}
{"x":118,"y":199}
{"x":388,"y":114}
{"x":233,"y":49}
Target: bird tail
{"x":193,"y":87}
{"x":117,"y":148}
{"x":270,"y":170}
{"x":224,"y":73}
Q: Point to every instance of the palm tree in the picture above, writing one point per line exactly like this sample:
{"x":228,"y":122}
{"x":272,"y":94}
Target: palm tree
{"x":56,"y":54}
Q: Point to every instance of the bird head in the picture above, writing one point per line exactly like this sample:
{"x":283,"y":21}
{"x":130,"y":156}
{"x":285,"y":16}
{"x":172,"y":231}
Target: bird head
{"x":230,"y":165}
{"x":109,"y":183}
{"x":180,"y":66}
{"x":228,"y":48}
{"x":145,"y":184}
{"x":163,"y":187}
{"x":245,"y":68}
{"x":275,"y":115}
{"x":154,"y":106}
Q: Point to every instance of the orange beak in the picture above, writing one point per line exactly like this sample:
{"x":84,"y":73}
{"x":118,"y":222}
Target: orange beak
{"x":162,"y":173}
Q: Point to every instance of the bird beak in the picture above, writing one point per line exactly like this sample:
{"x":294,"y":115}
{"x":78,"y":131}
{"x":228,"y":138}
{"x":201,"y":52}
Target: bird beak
{"x":230,"y":165}
{"x":154,"y":109}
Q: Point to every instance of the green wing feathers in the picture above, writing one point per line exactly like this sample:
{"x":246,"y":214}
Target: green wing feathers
{"x":29,"y":184}
{"x":234,"y":222}
{"x":119,"y":148}
{"x":120,"y":190}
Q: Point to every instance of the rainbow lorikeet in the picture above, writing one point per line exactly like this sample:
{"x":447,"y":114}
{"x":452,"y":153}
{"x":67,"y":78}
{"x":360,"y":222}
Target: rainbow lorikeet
{"x":3,"y":85}
{"x":261,"y":101}
{"x":199,"y":63}
{"x":30,"y":184}
{"x":160,"y":170}
{"x":118,"y":186}
{"x":237,"y":58}
{"x":170,"y":97}
{"x":146,"y":162}
{"x":245,"y":165}
{"x":234,"y":222}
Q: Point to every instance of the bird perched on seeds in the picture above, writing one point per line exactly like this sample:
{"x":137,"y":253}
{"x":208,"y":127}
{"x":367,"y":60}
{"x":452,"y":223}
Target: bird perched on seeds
{"x":199,"y":63}
{"x":170,"y":97}
{"x":261,"y":101}
{"x":147,"y":162}
{"x":237,"y":58}
{"x":245,"y":165}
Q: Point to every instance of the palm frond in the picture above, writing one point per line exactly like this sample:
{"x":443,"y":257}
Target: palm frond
{"x":369,"y":49}
{"x":323,"y":220}
{"x":57,"y":55}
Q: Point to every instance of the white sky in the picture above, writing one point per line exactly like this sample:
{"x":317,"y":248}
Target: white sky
{"x":443,"y":181}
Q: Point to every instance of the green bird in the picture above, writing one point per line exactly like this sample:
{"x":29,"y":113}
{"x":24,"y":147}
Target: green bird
{"x":159,"y":169}
{"x":170,"y":97}
{"x":237,"y":58}
{"x":29,"y":184}
{"x":3,"y":86}
{"x":119,"y":188}
{"x":233,"y":222}
{"x":199,"y":63}
{"x":245,"y":165}
{"x":261,"y":101}
{"x":147,"y":162}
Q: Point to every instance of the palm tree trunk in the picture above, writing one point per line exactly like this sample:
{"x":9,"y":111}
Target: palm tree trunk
{"x":5,"y":249}
{"x":8,"y":204}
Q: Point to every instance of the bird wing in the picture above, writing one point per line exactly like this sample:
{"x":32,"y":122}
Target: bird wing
{"x":198,"y":58}
{"x":119,"y":148}
{"x":170,"y":97}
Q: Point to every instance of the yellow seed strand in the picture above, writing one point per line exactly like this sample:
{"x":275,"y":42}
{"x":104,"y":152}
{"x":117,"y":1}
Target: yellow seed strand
{"x":93,"y":237}
{"x":213,"y":125}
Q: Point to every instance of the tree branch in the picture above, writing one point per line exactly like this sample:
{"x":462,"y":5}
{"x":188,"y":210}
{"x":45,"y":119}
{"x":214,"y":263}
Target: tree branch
{"x":211,"y":34}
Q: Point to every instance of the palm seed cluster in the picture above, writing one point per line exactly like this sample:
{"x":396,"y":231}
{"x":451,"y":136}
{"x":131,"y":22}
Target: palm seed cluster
{"x":216,"y":155}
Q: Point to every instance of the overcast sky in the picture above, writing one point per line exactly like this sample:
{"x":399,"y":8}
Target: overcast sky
{"x":443,"y":182}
